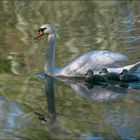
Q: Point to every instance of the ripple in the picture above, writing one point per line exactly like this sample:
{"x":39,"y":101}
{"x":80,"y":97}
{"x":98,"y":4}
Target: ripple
{"x":82,"y":26}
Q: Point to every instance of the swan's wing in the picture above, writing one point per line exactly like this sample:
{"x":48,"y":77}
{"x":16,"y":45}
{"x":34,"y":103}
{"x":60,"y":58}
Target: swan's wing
{"x":94,"y":60}
{"x":99,"y":59}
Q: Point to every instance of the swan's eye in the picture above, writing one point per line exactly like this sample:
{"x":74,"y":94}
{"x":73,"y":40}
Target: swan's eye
{"x":41,"y":29}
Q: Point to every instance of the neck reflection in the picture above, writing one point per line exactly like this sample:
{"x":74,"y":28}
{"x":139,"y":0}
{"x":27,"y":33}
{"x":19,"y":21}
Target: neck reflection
{"x":50,"y":96}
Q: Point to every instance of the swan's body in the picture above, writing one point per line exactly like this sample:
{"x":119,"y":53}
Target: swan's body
{"x":94,"y":60}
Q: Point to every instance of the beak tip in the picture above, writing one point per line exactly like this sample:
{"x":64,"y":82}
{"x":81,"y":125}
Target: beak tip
{"x":39,"y":34}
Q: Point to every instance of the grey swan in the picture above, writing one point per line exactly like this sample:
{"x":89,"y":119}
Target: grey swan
{"x":94,"y":60}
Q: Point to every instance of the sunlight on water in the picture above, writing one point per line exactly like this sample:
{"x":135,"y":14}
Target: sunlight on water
{"x":35,"y":107}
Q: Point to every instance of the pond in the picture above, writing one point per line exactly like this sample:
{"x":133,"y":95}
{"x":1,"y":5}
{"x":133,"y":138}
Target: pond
{"x":32,"y":107}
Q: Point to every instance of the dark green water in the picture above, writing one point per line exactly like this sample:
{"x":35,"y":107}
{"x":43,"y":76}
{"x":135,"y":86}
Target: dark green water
{"x":72,"y":110}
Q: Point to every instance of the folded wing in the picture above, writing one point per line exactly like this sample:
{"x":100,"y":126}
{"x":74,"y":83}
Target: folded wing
{"x":94,"y":60}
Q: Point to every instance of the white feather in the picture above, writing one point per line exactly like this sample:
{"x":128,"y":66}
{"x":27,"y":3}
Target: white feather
{"x":94,"y":60}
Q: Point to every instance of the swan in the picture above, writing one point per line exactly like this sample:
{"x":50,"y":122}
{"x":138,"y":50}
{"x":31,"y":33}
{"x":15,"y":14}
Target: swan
{"x":94,"y":60}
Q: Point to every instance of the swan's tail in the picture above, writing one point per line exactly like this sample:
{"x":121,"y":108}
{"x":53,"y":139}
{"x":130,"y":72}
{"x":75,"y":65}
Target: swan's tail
{"x":132,"y":68}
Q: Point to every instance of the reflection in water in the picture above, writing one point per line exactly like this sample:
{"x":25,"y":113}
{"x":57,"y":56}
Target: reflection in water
{"x":13,"y":112}
{"x":10,"y":112}
{"x":93,"y":92}
{"x":82,"y":26}
{"x":50,"y":93}
{"x":96,"y":92}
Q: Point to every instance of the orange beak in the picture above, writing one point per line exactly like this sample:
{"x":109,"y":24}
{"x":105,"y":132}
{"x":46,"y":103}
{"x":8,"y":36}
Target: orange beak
{"x":39,"y":34}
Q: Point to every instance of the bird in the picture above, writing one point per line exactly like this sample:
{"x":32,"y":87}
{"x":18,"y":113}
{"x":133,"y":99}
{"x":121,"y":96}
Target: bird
{"x":110,"y":75}
{"x":94,"y":78}
{"x":125,"y":76}
{"x":95,"y":59}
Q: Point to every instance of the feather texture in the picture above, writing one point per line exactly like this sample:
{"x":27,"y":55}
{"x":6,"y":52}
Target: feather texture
{"x":94,"y":60}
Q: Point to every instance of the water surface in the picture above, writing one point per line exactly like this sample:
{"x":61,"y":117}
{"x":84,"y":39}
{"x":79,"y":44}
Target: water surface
{"x":72,"y":109}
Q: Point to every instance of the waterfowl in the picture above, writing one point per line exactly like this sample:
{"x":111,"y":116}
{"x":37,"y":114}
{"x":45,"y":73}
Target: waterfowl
{"x":110,"y":75}
{"x":125,"y":76}
{"x":94,"y":78}
{"x":94,"y":60}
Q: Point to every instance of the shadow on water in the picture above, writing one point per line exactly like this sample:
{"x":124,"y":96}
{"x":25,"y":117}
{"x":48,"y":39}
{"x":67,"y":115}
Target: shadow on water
{"x":10,"y":115}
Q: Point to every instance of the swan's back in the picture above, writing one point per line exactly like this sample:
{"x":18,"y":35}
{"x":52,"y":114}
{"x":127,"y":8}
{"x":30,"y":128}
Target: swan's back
{"x":94,"y":60}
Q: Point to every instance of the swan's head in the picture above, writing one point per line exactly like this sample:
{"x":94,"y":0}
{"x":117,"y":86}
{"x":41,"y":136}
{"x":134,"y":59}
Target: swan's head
{"x":45,"y":29}
{"x":104,"y":72}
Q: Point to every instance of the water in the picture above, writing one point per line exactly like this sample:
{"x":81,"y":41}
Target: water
{"x":68,"y":109}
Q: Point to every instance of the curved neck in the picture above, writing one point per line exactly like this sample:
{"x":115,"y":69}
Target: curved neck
{"x":50,"y":54}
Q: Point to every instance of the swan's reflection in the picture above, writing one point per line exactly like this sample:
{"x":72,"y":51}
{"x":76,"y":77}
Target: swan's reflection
{"x":97,"y":92}
{"x":50,"y":94}
{"x":92,"y":92}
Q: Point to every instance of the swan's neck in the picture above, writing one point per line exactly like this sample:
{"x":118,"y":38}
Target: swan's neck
{"x":50,"y":54}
